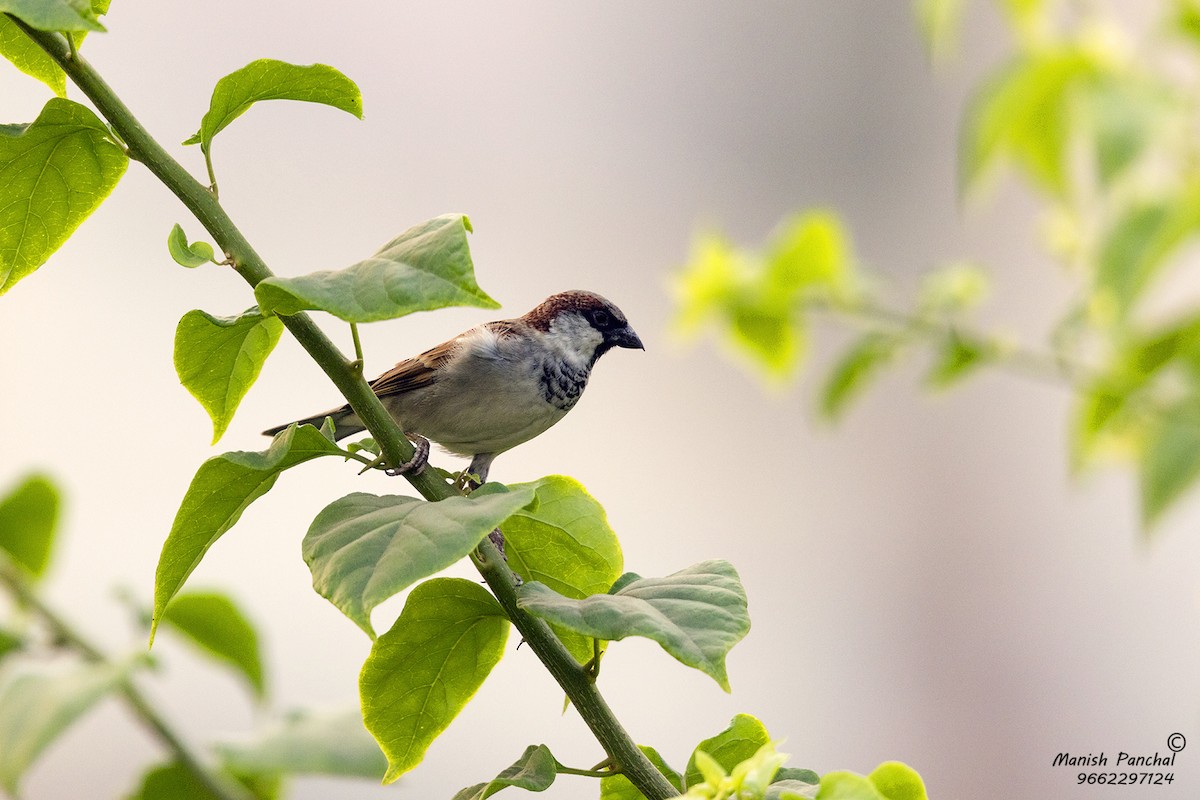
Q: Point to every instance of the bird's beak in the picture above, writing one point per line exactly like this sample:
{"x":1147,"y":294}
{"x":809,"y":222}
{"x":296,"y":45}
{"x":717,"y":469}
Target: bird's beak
{"x":625,"y":337}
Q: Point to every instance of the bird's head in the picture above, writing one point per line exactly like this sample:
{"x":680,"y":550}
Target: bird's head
{"x":583,"y":324}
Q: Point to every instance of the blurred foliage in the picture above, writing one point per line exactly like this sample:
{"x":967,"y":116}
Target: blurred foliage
{"x":1100,"y":125}
{"x":50,"y":676}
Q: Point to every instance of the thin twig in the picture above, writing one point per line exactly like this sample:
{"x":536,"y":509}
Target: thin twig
{"x":65,"y":634}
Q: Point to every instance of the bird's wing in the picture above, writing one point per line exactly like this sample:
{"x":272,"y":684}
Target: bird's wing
{"x":418,"y":371}
{"x":413,"y":373}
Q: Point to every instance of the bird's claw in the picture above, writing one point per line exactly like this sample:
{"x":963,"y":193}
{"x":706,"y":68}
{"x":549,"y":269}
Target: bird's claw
{"x":496,"y":536}
{"x":416,"y":464}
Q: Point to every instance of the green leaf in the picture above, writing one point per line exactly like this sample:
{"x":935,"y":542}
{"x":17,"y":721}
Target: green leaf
{"x":808,"y":256}
{"x":26,"y":56}
{"x":1100,"y":423}
{"x":53,"y":174}
{"x":54,"y":15}
{"x":895,"y":780}
{"x":221,"y":490}
{"x":1123,"y":111}
{"x":37,"y":706}
{"x":618,"y":787}
{"x":794,"y":774}
{"x":697,"y":614}
{"x":213,"y":622}
{"x":759,"y":299}
{"x":737,"y":743}
{"x":852,"y":372}
{"x":268,"y":79}
{"x":842,"y":785}
{"x":1170,"y":462}
{"x":10,"y":643}
{"x":564,"y":541}
{"x":707,"y":283}
{"x":173,"y":781}
{"x":794,"y":789}
{"x":940,"y":23}
{"x":891,"y":780}
{"x":771,"y":334}
{"x":957,"y":357}
{"x":1185,"y":19}
{"x":308,"y":744}
{"x":28,"y":520}
{"x":218,"y":359}
{"x":1141,"y":241}
{"x":534,"y":771}
{"x":427,"y":267}
{"x":422,"y":672}
{"x":188,"y":255}
{"x":364,"y":548}
{"x":1024,"y":115}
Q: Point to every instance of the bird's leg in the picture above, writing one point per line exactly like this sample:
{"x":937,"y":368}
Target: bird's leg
{"x":475,"y":475}
{"x":417,"y":463}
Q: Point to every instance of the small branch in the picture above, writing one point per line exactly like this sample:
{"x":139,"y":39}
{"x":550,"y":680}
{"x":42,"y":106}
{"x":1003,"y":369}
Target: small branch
{"x":357,"y":363}
{"x":212,"y":176}
{"x":586,"y":773}
{"x":1052,"y":367}
{"x":21,"y":589}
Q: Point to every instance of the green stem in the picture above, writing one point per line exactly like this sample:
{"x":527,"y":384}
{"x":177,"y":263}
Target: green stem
{"x":387,"y":433}
{"x":212,"y":176}
{"x":1052,"y":367}
{"x":562,"y":769}
{"x":63,"y":632}
{"x":575,"y":679}
{"x":357,"y":364}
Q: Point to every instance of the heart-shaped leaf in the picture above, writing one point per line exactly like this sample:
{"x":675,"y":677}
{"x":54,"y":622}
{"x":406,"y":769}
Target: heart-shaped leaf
{"x":697,"y":614}
{"x":268,"y":79}
{"x":24,"y":54}
{"x":308,"y":744}
{"x":364,"y":548}
{"x":221,"y":490}
{"x":563,"y":540}
{"x":28,"y":520}
{"x":218,"y":359}
{"x":53,"y":174}
{"x":427,"y":267}
{"x":422,"y":672}
{"x":54,"y":15}
{"x":534,"y":771}
{"x":738,"y":742}
{"x":218,"y":626}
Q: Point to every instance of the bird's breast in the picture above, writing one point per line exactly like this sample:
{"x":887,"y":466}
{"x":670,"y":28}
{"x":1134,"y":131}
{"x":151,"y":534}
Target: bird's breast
{"x":561,"y":383}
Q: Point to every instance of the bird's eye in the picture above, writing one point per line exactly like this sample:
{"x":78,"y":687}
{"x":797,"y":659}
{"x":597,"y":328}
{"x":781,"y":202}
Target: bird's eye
{"x":600,"y":318}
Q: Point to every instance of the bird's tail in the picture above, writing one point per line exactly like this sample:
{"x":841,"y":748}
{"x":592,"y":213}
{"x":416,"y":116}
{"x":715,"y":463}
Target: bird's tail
{"x":345,"y":423}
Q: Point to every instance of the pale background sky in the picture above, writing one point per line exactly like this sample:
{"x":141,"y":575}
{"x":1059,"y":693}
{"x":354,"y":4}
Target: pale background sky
{"x":926,"y":581}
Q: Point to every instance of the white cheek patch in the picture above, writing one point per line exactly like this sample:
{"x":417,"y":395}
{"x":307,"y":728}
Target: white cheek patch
{"x":575,"y":337}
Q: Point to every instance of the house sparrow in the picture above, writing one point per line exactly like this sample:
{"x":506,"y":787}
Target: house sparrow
{"x":499,"y":384}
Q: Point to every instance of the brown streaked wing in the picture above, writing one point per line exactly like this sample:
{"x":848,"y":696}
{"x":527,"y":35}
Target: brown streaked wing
{"x":419,"y":371}
{"x":413,"y":373}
